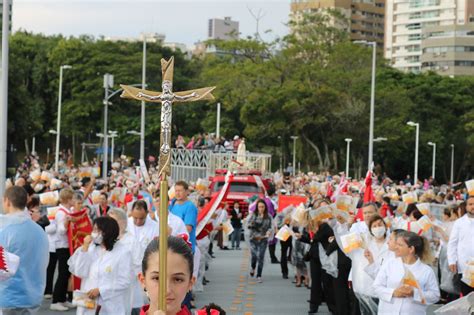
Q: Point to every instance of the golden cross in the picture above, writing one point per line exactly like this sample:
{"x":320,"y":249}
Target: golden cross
{"x":166,"y":98}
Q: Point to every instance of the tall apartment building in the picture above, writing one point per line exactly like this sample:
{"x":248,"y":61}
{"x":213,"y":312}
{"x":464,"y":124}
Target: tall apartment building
{"x":366,"y":17}
{"x":448,"y":50}
{"x":407,"y":21}
{"x":224,"y":29}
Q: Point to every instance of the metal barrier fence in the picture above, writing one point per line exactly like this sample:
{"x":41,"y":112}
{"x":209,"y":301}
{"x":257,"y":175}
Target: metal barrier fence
{"x":189,"y":165}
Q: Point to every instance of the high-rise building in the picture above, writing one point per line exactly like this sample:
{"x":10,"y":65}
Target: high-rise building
{"x":224,"y":29}
{"x":1,"y":16}
{"x":366,"y":17}
{"x":448,"y":50}
{"x":407,"y":21}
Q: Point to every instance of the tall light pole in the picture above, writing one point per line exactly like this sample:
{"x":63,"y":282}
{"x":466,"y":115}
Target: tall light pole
{"x":372,"y":99}
{"x":417,"y":125}
{"x":218,"y":122}
{"x":433,"y":170}
{"x":294,"y":154}
{"x":4,"y":97}
{"x":108,"y":83}
{"x":452,"y":164}
{"x":112,"y":135}
{"x":142,"y":122}
{"x":348,"y":154}
{"x":58,"y":127}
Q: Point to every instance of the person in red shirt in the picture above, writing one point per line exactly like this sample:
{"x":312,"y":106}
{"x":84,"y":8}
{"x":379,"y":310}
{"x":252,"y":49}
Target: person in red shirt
{"x":385,"y":210}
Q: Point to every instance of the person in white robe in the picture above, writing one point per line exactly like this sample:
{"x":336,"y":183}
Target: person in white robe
{"x":137,"y":296}
{"x":406,"y":284}
{"x":104,"y":265}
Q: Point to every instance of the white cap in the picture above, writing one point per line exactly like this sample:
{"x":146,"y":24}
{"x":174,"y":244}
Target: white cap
{"x":236,"y":137}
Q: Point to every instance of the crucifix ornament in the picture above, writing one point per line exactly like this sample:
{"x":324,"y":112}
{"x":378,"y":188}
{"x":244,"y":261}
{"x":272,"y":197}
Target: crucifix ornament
{"x":166,"y":98}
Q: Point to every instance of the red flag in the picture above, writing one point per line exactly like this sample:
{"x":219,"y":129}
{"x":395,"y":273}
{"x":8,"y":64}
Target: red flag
{"x":76,"y":233}
{"x":206,"y":213}
{"x":329,"y":190}
{"x":284,"y":201}
{"x":368,"y":193}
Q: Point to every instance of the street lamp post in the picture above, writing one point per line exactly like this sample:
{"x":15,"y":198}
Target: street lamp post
{"x":218,"y":122}
{"x":372,"y":99}
{"x":108,"y":83}
{"x":433,"y":170}
{"x":4,"y":98}
{"x":348,"y":154}
{"x":112,"y":135}
{"x":417,"y":125}
{"x":294,"y":154}
{"x":58,"y":127}
{"x":452,"y":164}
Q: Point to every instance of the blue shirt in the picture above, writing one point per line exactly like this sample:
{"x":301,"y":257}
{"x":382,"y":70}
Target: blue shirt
{"x":21,"y":236}
{"x":188,"y":213}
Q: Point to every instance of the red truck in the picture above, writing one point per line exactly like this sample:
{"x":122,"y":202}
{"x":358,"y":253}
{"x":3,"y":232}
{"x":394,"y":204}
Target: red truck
{"x":243,"y":185}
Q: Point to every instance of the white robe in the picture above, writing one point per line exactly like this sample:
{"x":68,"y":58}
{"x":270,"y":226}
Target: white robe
{"x":362,"y":282}
{"x":389,"y":278}
{"x":145,"y":233}
{"x":176,"y":223}
{"x":107,"y":270}
{"x":136,"y":293}
{"x":141,"y":236}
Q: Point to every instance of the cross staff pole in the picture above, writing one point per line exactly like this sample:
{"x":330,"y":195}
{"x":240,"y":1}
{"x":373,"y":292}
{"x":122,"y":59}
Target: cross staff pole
{"x":166,"y":98}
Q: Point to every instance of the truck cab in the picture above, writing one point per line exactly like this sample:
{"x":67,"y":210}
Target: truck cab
{"x":243,"y":185}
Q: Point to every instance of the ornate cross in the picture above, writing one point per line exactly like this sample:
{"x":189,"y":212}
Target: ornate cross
{"x":166,"y":97}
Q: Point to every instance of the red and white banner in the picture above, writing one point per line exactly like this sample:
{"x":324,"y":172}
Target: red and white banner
{"x":206,"y":213}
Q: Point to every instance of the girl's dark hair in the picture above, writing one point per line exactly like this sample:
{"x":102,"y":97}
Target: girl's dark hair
{"x":110,"y":231}
{"x":420,"y":244}
{"x":213,"y":306}
{"x":141,"y":205}
{"x":397,"y":232}
{"x":175,"y":244}
{"x":34,"y":202}
{"x":376,"y":218}
{"x":462,"y":209}
{"x":265,"y":214}
{"x":410,"y":208}
{"x":417,"y":214}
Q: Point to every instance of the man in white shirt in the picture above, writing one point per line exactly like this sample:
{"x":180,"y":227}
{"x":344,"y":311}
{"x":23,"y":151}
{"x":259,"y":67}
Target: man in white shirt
{"x":140,"y":225}
{"x":461,"y":244}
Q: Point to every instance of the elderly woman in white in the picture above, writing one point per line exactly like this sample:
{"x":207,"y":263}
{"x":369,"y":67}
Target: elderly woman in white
{"x":406,"y":284}
{"x":105,"y":269}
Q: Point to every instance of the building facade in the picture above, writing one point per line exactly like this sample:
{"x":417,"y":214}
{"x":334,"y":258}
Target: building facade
{"x":448,"y":50}
{"x":224,"y":29}
{"x":407,"y":21}
{"x":366,"y":17}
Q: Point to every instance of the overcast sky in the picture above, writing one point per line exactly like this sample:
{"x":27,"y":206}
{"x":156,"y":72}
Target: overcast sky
{"x":181,"y":21}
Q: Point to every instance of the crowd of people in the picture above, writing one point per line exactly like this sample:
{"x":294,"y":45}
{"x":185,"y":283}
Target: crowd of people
{"x":209,"y":141}
{"x":361,"y":246}
{"x":95,"y":239}
{"x":370,"y":246}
